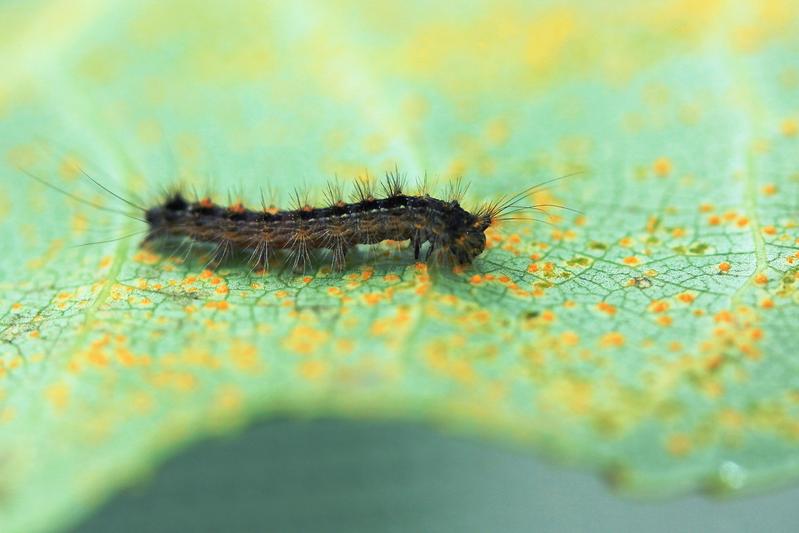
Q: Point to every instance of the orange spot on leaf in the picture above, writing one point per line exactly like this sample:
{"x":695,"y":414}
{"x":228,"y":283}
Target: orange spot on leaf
{"x":606,"y":308}
{"x":769,"y":189}
{"x":612,"y":339}
{"x":658,"y":306}
{"x":662,"y":166}
{"x":679,"y":445}
{"x":570,"y":338}
{"x":312,"y":369}
{"x":723,"y":316}
{"x":372,"y":298}
{"x":686,"y":297}
{"x":789,"y":127}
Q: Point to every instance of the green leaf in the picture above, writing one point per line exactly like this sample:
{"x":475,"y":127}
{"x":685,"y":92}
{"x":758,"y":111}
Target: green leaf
{"x":651,"y":338}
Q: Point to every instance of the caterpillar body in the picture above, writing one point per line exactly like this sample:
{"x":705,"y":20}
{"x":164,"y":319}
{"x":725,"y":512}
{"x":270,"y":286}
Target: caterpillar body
{"x":452,"y":233}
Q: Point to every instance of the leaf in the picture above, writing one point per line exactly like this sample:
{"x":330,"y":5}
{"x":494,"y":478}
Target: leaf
{"x":651,"y":338}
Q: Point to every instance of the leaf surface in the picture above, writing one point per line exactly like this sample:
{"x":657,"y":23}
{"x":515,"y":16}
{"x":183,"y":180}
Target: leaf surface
{"x":651,"y":337}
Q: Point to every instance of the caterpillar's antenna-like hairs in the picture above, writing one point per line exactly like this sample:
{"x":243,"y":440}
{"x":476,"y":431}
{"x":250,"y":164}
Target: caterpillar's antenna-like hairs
{"x":115,"y":239}
{"x":109,"y":191}
{"x":79,"y":199}
{"x":47,"y":145}
{"x":505,"y":207}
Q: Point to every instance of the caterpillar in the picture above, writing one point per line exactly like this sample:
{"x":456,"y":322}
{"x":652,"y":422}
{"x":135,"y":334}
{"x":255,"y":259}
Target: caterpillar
{"x":452,"y":233}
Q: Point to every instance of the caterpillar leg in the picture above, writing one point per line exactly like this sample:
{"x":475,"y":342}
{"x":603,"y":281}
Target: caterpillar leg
{"x":417,"y":246}
{"x":430,"y":250}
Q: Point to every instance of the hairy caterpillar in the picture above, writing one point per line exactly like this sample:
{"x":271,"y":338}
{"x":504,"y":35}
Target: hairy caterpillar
{"x":452,"y":233}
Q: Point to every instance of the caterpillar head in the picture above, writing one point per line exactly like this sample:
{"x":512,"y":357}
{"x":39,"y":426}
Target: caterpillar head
{"x":468,"y":232}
